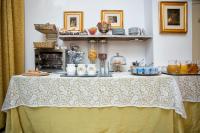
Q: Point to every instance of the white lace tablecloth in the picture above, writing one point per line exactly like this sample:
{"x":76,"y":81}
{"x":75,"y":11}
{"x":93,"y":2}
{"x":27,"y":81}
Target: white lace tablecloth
{"x":120,"y":91}
{"x":189,"y":87}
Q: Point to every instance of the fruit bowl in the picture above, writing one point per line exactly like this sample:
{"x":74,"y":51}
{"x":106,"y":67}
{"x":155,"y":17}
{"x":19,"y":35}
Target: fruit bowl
{"x":103,"y":27}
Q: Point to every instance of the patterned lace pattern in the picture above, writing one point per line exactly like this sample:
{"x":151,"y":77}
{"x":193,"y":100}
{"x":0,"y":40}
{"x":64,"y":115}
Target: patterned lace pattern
{"x":155,"y":91}
{"x":189,"y":87}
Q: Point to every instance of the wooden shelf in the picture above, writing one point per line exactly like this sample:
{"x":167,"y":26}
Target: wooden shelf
{"x":107,"y":37}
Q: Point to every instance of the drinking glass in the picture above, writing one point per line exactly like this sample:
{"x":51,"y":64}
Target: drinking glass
{"x":193,"y":67}
{"x":184,"y":67}
{"x":173,"y":67}
{"x":198,"y":65}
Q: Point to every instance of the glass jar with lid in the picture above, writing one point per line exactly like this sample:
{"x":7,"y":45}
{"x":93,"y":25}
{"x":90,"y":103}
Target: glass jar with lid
{"x":102,"y":55}
{"x":117,"y":61}
{"x":92,"y":51}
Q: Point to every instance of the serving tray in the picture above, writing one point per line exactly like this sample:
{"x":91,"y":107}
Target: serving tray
{"x":173,"y":74}
{"x":86,"y":75}
{"x":35,"y":74}
{"x":157,"y":74}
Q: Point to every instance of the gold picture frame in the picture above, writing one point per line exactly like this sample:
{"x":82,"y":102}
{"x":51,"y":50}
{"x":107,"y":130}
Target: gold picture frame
{"x":173,"y":17}
{"x":73,"y":21}
{"x":114,"y":17}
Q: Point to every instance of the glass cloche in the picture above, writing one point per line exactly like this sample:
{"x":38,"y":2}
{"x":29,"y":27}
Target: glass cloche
{"x":117,"y":61}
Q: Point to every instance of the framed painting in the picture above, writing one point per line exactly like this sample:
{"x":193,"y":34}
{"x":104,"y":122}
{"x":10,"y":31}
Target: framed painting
{"x":73,"y":21}
{"x":173,"y":17}
{"x":114,"y":17}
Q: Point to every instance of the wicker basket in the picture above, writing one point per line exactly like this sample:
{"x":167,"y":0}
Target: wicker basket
{"x":46,"y":28}
{"x":44,"y":44}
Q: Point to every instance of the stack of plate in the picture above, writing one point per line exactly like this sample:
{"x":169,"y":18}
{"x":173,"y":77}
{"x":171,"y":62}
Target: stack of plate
{"x":118,"y":31}
{"x":134,"y":31}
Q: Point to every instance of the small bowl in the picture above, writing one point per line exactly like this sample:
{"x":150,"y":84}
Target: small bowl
{"x":92,"y":30}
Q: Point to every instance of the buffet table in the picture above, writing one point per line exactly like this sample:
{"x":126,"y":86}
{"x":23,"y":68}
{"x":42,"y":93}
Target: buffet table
{"x":122,"y":103}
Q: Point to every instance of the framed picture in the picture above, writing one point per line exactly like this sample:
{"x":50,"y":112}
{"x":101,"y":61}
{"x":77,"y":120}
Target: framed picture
{"x":114,"y":17}
{"x":173,"y":17}
{"x":73,"y":21}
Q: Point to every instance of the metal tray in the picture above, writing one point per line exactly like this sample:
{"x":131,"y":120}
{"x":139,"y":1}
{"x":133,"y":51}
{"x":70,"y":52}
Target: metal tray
{"x":173,"y":74}
{"x":86,"y":75}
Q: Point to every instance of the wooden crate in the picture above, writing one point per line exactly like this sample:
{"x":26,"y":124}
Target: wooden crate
{"x":46,"y":44}
{"x":46,"y":28}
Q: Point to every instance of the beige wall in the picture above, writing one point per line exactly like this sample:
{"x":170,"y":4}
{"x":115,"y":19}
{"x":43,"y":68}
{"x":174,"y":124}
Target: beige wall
{"x":196,"y":30}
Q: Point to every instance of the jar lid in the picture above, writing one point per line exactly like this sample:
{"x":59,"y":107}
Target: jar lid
{"x":103,"y":41}
{"x":118,"y":59}
{"x":92,"y":41}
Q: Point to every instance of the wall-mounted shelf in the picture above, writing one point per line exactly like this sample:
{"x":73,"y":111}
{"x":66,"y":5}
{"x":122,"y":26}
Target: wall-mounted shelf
{"x":107,"y":37}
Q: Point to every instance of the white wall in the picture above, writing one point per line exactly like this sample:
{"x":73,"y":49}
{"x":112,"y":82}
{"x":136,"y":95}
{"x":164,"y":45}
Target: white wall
{"x":42,"y":11}
{"x":171,"y":46}
{"x":141,"y":13}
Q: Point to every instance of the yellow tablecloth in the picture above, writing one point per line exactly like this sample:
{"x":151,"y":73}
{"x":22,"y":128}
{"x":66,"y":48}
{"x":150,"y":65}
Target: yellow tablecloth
{"x":102,"y":120}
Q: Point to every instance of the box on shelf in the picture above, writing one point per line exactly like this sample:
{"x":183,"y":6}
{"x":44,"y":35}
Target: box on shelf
{"x":118,"y":31}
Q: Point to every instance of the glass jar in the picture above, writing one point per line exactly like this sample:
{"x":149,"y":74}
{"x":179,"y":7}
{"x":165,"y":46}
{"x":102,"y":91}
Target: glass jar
{"x":81,"y":69}
{"x":71,"y":69}
{"x":102,"y":49}
{"x":91,"y":69}
{"x":117,"y":61}
{"x":92,"y":51}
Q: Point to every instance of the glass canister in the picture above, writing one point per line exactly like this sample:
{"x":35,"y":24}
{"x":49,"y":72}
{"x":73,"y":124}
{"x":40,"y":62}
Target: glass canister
{"x":117,"y":61}
{"x":102,"y":50}
{"x":92,"y":51}
{"x":102,"y":56}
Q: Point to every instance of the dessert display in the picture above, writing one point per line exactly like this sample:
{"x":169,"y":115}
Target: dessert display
{"x":117,"y":61}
